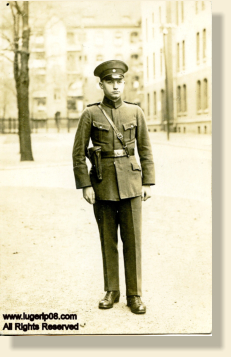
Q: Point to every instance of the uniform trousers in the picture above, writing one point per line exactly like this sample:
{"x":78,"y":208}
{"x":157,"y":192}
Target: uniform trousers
{"x":126,"y":213}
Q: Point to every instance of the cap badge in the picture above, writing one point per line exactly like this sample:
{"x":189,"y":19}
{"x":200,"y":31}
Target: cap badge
{"x":114,"y":70}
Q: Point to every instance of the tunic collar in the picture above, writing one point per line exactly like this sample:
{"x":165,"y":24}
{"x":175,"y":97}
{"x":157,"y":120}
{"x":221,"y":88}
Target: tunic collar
{"x":109,"y":103}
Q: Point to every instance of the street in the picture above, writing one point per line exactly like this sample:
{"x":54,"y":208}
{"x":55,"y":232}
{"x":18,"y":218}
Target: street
{"x":50,"y":248}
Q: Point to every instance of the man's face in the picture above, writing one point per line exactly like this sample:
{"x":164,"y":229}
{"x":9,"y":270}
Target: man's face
{"x":113,"y":88}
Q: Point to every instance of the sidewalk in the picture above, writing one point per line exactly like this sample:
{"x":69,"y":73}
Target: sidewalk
{"x":50,"y":249}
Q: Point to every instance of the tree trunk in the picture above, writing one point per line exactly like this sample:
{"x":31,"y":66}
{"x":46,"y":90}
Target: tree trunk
{"x":22,"y":87}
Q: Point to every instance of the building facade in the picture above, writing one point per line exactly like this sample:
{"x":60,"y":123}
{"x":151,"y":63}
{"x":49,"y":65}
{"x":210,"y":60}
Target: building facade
{"x":68,"y":42}
{"x":177,"y":40}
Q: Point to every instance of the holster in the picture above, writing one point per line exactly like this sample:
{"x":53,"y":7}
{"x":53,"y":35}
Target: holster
{"x":94,"y":155}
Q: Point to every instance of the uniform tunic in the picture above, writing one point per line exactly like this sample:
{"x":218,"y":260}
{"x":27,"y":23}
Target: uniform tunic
{"x":118,"y":195}
{"x":122,"y":175}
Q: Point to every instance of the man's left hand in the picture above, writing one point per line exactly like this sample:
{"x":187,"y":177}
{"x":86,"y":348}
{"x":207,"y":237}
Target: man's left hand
{"x":146,"y":192}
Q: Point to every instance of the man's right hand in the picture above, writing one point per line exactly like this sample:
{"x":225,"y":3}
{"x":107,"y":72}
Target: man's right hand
{"x":89,"y":194}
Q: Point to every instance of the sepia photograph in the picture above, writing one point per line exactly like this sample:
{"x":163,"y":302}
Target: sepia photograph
{"x":105,"y":167}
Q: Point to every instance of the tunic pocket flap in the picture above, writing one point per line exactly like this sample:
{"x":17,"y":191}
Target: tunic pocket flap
{"x":101,"y":126}
{"x":135,"y":166}
{"x":130,"y":125}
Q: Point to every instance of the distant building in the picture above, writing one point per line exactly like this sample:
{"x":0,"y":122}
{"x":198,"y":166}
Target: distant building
{"x":188,"y":56}
{"x":68,"y":42}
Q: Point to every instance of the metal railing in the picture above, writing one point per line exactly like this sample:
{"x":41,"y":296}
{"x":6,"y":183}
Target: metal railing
{"x":10,"y":125}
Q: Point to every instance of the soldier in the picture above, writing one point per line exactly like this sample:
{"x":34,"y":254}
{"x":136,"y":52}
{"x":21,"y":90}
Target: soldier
{"x":116,"y":184}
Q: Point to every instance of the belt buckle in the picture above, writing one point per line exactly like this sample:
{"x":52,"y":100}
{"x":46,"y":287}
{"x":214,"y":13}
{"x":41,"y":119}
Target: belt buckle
{"x":119,"y":152}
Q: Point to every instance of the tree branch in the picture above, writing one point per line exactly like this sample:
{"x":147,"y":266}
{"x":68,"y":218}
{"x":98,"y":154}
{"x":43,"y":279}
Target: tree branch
{"x":9,"y":59}
{"x":18,"y":8}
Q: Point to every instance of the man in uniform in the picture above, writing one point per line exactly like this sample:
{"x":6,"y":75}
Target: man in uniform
{"x":116,"y":196}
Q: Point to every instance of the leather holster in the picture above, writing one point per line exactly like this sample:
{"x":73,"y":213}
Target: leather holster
{"x":94,"y":155}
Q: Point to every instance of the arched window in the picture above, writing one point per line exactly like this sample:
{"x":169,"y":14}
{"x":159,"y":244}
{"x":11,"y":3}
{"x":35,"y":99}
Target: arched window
{"x":183,"y":54}
{"x":148,"y":104}
{"x":184,"y":109}
{"x":198,"y":47}
{"x":198,"y":95}
{"x":118,"y":41}
{"x":154,"y":101}
{"x":178,"y":57}
{"x":163,"y":105}
{"x":134,"y":37}
{"x":178,"y":99}
{"x":205,"y":96}
{"x":204,"y":43}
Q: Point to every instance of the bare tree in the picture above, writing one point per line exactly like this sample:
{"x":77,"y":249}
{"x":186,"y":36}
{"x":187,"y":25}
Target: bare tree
{"x":21,"y":35}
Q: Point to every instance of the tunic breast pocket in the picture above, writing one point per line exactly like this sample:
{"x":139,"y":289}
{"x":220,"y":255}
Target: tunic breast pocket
{"x":130,"y":130}
{"x":101,"y":132}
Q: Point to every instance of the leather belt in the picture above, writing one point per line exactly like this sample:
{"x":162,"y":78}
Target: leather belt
{"x":116,"y":153}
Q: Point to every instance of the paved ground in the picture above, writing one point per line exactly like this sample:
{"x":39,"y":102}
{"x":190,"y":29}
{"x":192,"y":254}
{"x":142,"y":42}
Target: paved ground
{"x":50,"y":250}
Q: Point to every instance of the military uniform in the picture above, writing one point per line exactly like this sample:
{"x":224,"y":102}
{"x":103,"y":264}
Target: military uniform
{"x":118,"y":195}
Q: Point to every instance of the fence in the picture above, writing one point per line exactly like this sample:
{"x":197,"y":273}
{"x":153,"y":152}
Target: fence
{"x":10,"y":125}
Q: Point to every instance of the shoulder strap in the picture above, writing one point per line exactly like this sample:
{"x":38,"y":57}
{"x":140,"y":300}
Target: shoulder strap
{"x":90,"y":105}
{"x":125,"y":101}
{"x":118,"y":134}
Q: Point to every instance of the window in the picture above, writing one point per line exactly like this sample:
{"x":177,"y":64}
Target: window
{"x":148,"y":104}
{"x":70,"y":38}
{"x":147,"y":69}
{"x":72,"y":59}
{"x":198,"y":47}
{"x":154,"y":66}
{"x":126,"y":19}
{"x":183,"y":54}
{"x":205,"y":96}
{"x":136,"y":82}
{"x":204,"y":43}
{"x":40,"y":104}
{"x":160,"y":14}
{"x":182,"y":11}
{"x":57,"y":94}
{"x":184,"y":104}
{"x":39,"y":40}
{"x":153,"y":17}
{"x":39,"y":55}
{"x":40,"y":80}
{"x":178,"y":99}
{"x":118,"y":41}
{"x":134,"y":56}
{"x":177,"y":13}
{"x":134,"y":37}
{"x":119,"y":57}
{"x":163,"y":105}
{"x":71,"y":103}
{"x":178,"y":57}
{"x":196,"y":7}
{"x":161,"y":62}
{"x":198,"y":95}
{"x":154,"y":102}
{"x":40,"y":61}
{"x":99,"y":58}
{"x":203,"y":5}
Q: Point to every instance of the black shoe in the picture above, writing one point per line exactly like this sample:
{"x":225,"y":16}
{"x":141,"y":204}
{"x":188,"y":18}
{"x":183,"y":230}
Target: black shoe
{"x":136,"y":305}
{"x":109,"y":299}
